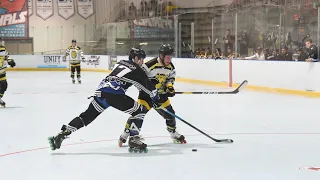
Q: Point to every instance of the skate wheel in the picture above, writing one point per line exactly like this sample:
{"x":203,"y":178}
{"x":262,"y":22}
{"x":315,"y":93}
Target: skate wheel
{"x":120,"y":143}
{"x":130,"y":150}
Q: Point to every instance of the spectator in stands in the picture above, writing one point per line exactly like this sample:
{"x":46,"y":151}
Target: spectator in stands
{"x":271,"y":55}
{"x":312,"y":51}
{"x":142,"y":9}
{"x":228,"y":41}
{"x":302,"y":54}
{"x":257,"y":56}
{"x":169,"y":8}
{"x":132,"y":11}
{"x":208,"y":53}
{"x":161,"y":7}
{"x":218,"y":53}
{"x":285,"y":55}
{"x":243,"y":41}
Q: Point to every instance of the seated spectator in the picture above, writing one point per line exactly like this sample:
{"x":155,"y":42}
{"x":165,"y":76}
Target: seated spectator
{"x":302,"y":55}
{"x":202,"y":53}
{"x":231,"y":54}
{"x":208,"y":53}
{"x":218,"y":53}
{"x":285,"y":55}
{"x":272,"y":56}
{"x":257,"y":56}
{"x":197,"y":53}
{"x":312,"y":51}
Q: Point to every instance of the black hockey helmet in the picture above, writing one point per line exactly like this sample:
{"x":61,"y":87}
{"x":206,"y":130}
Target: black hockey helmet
{"x":136,"y":52}
{"x":166,"y":49}
{"x":74,"y":41}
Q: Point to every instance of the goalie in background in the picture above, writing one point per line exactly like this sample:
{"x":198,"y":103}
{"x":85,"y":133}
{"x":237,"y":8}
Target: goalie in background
{"x":5,"y":60}
{"x":74,"y":54}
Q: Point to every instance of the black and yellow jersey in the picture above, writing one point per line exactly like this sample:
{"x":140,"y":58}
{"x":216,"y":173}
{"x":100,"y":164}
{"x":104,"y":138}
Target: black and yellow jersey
{"x":160,"y":76}
{"x":5,"y":60}
{"x":74,"y":55}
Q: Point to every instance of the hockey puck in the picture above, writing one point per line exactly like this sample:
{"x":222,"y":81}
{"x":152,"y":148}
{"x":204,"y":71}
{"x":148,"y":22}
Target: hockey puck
{"x":194,"y":150}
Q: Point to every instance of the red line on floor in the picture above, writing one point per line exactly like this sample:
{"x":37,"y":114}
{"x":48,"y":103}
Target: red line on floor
{"x":151,"y":137}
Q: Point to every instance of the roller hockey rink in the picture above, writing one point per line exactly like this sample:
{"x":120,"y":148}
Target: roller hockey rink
{"x":276,"y":137}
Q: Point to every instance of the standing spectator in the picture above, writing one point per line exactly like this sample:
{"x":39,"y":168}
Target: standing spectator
{"x":169,"y":8}
{"x":142,"y":9}
{"x":244,"y":40}
{"x":312,"y":51}
{"x":146,"y":8}
{"x":257,"y":56}
{"x":132,"y":11}
{"x":228,"y":41}
{"x":302,"y":55}
{"x":285,"y":55}
{"x":161,"y":7}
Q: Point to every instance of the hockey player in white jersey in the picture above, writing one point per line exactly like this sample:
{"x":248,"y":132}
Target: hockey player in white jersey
{"x":5,"y":60}
{"x":161,"y":72}
{"x":74,"y":55}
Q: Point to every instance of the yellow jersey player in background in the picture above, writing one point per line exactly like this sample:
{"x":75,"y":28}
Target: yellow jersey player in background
{"x":5,"y":60}
{"x":74,"y":54}
{"x":162,"y":74}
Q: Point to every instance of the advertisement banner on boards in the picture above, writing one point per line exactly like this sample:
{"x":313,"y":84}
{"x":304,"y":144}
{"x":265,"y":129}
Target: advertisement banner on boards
{"x":51,"y":61}
{"x":14,"y":19}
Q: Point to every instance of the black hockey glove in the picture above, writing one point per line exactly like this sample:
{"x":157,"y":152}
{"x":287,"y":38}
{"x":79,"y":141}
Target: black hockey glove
{"x":170,"y":91}
{"x":12,"y":63}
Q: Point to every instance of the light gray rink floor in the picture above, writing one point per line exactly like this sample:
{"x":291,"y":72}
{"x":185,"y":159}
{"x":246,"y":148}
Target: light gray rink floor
{"x":275,"y":136}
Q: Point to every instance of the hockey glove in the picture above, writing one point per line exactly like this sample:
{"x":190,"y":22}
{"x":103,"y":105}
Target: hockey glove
{"x":155,"y":100}
{"x":170,"y":91}
{"x":12,"y":63}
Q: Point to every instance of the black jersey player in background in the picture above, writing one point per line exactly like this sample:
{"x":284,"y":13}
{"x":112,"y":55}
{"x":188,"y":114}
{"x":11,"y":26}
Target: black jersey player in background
{"x":162,"y":74}
{"x":111,"y":92}
{"x":4,"y":61}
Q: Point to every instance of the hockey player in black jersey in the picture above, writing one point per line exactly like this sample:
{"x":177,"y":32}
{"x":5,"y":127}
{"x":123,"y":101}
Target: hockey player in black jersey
{"x":111,"y":92}
{"x":162,"y":74}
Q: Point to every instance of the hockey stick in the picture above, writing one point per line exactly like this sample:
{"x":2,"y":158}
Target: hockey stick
{"x":216,"y":140}
{"x":238,"y":89}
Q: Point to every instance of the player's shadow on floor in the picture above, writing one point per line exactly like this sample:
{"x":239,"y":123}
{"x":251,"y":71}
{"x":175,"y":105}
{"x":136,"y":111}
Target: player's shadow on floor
{"x":164,"y":149}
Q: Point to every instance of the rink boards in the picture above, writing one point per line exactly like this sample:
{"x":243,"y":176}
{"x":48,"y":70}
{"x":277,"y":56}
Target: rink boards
{"x":295,"y":78}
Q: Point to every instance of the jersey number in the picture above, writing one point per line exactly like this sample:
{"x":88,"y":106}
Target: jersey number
{"x":120,"y":70}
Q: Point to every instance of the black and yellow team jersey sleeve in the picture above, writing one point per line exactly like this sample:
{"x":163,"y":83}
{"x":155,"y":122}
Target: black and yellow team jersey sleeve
{"x":5,"y":60}
{"x":160,"y":76}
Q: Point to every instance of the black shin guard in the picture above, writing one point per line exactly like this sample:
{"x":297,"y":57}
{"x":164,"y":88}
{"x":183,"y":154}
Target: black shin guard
{"x":135,"y":122}
{"x":84,"y":119}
